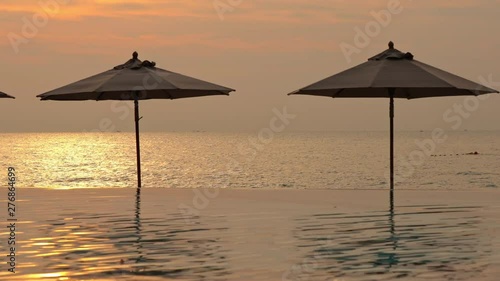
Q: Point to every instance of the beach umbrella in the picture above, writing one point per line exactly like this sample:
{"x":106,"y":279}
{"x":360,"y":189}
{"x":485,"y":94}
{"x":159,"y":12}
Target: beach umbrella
{"x":4,"y":95}
{"x":135,"y":80}
{"x":393,"y":74}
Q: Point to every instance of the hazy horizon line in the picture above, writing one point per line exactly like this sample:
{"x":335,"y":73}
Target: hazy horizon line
{"x":240,"y":131}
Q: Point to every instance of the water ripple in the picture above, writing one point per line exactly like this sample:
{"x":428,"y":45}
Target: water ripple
{"x":428,"y":242}
{"x":241,"y":239}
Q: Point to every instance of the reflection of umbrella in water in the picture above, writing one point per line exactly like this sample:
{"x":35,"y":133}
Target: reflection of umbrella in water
{"x":170,"y":247}
{"x":393,"y":74}
{"x":428,"y":239}
{"x":135,"y":80}
{"x":138,"y":228}
{"x":4,"y":95}
{"x":391,"y":258}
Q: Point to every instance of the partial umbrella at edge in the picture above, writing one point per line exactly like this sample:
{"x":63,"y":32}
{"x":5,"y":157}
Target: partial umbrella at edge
{"x":4,"y":95}
{"x":135,"y":80}
{"x":393,"y":74}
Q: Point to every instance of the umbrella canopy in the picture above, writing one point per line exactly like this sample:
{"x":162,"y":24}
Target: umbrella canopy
{"x":392,"y":68}
{"x":393,"y":74}
{"x":4,"y":95}
{"x":135,"y":80}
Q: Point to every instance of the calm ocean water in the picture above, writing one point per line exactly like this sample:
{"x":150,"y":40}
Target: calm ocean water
{"x":332,"y":160}
{"x":264,"y":225}
{"x":279,"y":235}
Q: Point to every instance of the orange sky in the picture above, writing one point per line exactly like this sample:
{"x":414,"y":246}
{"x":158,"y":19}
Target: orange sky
{"x":262,"y":48}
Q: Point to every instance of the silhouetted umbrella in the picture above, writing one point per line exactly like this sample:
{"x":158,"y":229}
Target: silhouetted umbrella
{"x":393,"y":74}
{"x":135,"y":80}
{"x":4,"y":95}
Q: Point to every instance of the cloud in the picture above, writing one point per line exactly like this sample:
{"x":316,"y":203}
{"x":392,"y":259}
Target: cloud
{"x":95,"y":26}
{"x":81,"y":9}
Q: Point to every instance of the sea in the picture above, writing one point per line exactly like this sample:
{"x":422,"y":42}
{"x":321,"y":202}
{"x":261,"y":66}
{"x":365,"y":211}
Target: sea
{"x":292,"y":160}
{"x":250,"y":206}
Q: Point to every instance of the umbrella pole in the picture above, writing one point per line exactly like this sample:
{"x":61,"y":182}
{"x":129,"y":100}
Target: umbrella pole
{"x":391,"y":116}
{"x":137,"y":142}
